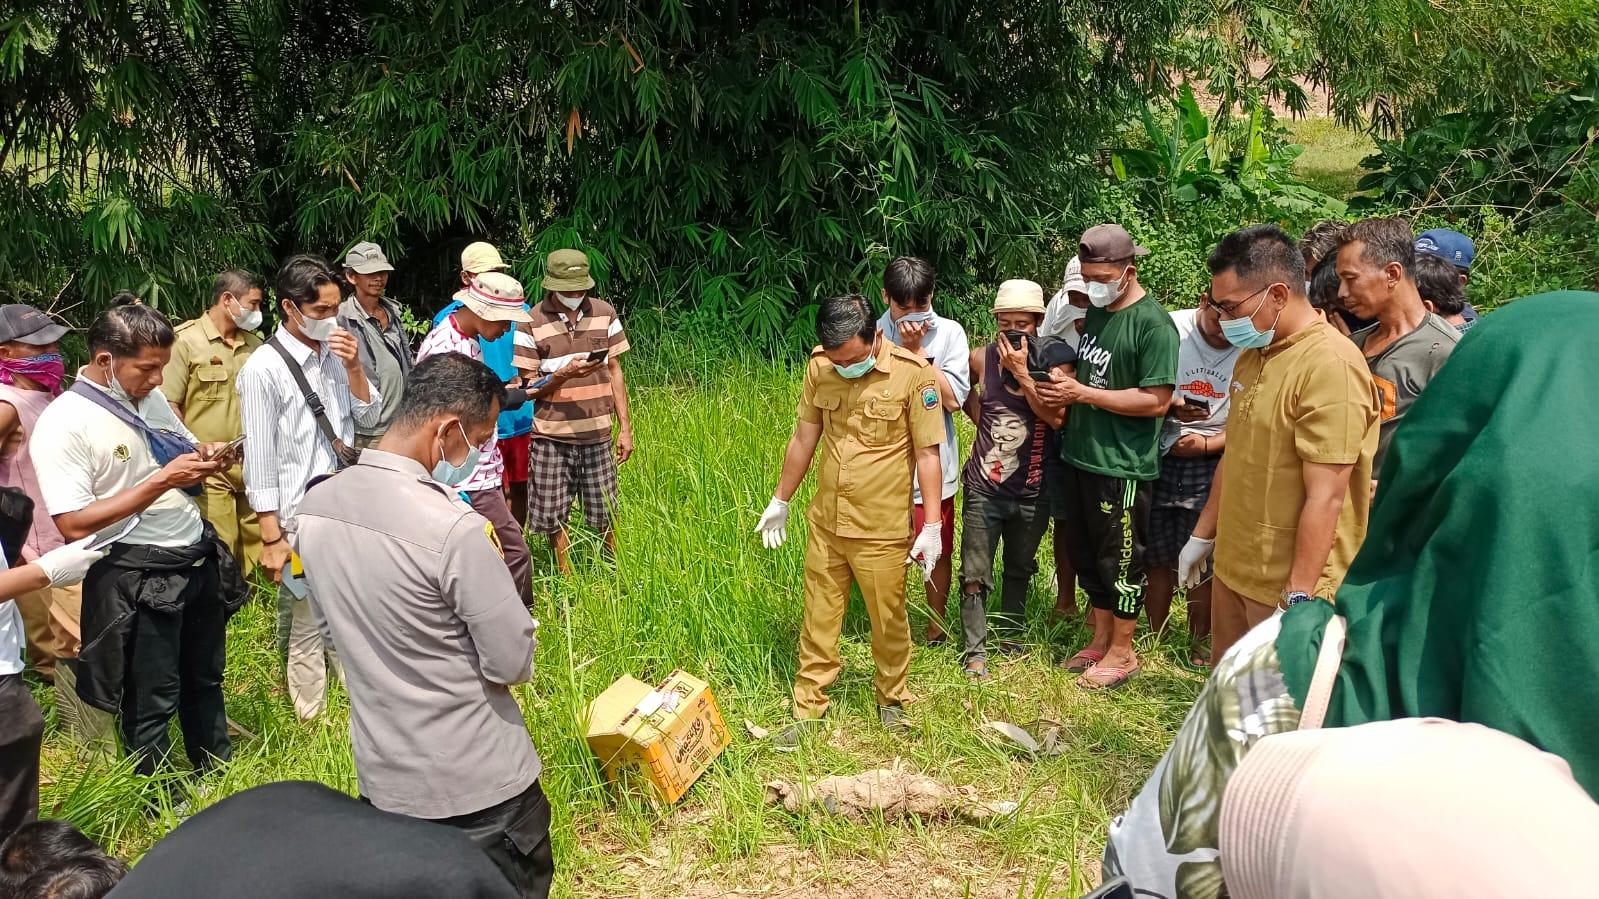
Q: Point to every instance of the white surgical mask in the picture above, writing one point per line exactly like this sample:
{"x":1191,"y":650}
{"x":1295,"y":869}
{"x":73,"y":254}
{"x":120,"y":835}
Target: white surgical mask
{"x":1103,"y":293}
{"x":571,"y":302}
{"x":926,"y":317}
{"x":248,"y":320}
{"x":318,"y":329}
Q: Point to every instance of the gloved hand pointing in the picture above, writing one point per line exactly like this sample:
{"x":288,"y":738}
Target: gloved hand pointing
{"x":1191,"y":561}
{"x":773,"y":526}
{"x":927,"y":548}
{"x":67,"y":565}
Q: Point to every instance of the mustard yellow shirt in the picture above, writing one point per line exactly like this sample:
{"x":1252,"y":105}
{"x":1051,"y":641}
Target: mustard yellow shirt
{"x":1309,"y":398}
{"x":871,"y":428}
{"x":199,"y":379}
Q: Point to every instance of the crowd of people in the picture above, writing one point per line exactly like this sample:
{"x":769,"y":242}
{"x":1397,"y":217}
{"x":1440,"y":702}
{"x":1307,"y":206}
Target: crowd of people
{"x":1233,"y":450}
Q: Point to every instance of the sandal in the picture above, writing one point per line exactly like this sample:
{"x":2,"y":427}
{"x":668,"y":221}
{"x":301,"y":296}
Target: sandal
{"x":1107,"y":678}
{"x":1200,"y":660}
{"x":1084,"y":660}
{"x":979,"y":672}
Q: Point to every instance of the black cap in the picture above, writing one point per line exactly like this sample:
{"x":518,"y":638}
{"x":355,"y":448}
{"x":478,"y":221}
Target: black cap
{"x":1049,"y":352}
{"x":25,"y":324}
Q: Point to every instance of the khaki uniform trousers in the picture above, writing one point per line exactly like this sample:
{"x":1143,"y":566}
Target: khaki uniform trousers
{"x":308,"y":654}
{"x":224,"y":505}
{"x":831,"y":564}
{"x":50,"y":624}
{"x":1232,"y":615}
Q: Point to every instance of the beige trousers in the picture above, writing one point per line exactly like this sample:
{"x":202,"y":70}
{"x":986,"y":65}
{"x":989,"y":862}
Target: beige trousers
{"x":50,"y":624}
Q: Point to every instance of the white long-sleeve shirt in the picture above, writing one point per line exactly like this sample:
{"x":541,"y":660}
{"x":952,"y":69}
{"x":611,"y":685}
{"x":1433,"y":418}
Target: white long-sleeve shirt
{"x":946,"y":347}
{"x":283,"y":446}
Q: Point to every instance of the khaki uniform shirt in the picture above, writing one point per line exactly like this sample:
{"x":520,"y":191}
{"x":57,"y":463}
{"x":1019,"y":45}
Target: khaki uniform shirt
{"x":199,"y":379}
{"x":1307,"y":399}
{"x":871,"y":427}
{"x":431,"y":631}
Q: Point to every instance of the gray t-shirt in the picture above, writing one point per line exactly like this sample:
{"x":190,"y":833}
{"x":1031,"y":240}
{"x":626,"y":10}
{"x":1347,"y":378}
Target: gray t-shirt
{"x":1401,"y":372}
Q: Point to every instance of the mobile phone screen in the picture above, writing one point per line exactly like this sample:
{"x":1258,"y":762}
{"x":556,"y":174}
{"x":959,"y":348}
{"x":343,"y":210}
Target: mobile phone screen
{"x":597,"y":355}
{"x":107,"y":536}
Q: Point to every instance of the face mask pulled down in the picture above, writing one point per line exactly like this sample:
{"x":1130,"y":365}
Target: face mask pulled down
{"x":856,"y":369}
{"x":450,"y":474}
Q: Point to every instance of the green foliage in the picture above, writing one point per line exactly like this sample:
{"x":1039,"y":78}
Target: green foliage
{"x":1248,"y":167}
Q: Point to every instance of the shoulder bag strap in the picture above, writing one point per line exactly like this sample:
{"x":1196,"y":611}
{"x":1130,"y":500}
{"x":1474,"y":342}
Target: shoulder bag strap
{"x":311,"y":398}
{"x":1328,"y":659}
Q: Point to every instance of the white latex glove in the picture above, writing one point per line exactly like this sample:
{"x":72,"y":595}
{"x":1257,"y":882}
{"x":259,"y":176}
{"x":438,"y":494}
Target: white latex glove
{"x":1191,"y":561}
{"x":66,"y":565}
{"x":773,"y":527}
{"x":927,"y":548}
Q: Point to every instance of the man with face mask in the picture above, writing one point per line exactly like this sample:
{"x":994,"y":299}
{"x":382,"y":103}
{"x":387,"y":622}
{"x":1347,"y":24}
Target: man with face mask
{"x":431,"y":629}
{"x":200,"y":383}
{"x":910,"y":322}
{"x":1126,"y":370}
{"x":490,"y":306}
{"x":293,"y":434}
{"x":576,"y":339}
{"x":1288,"y":502}
{"x":875,"y":410}
{"x":112,"y":456}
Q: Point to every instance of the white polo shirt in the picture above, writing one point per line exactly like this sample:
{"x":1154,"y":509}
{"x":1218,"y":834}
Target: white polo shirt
{"x":946,"y":347}
{"x":83,"y":453}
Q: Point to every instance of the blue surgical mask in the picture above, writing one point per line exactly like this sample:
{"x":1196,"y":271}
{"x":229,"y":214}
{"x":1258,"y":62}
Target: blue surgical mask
{"x":448,"y":473}
{"x":1242,"y":333}
{"x":860,"y":368}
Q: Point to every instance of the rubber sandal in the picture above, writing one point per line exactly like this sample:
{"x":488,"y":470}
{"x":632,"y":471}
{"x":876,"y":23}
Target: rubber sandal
{"x":1107,"y":678}
{"x":1084,"y":660}
{"x":980,"y":673}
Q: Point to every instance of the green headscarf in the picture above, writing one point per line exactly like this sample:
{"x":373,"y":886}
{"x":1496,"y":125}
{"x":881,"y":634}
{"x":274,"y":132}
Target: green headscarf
{"x":1476,"y":594}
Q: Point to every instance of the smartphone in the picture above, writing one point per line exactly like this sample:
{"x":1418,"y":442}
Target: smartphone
{"x":1041,"y":376}
{"x":109,"y":535}
{"x":231,"y":449}
{"x":1198,"y":404}
{"x":1015,"y":338}
{"x":599,"y":355}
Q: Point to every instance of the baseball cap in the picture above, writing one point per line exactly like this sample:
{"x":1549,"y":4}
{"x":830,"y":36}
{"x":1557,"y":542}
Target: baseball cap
{"x":1049,"y":352}
{"x":1450,"y":246}
{"x":495,"y":297}
{"x":1074,"y":277}
{"x":366,"y":258}
{"x":1019,"y":295}
{"x":481,"y":256}
{"x":24,"y":324}
{"x":567,"y":270}
{"x":1108,"y":243}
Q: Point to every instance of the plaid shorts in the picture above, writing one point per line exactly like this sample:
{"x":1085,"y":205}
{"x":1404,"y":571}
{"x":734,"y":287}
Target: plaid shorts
{"x":561,"y":470}
{"x":1180,"y":495}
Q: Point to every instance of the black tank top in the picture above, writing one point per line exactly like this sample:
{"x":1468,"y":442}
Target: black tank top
{"x":1012,"y":444}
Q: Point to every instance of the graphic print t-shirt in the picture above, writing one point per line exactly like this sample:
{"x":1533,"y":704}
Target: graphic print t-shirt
{"x":1204,"y":373}
{"x":1132,"y":347}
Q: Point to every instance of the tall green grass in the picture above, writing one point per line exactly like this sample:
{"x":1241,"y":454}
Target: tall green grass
{"x":692,"y":588}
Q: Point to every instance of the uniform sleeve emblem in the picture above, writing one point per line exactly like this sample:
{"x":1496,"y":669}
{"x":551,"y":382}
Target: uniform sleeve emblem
{"x":493,"y":537}
{"x":929,"y":396}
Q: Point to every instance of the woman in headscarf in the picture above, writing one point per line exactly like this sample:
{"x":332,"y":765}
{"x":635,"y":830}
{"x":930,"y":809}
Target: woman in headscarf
{"x":1475,"y":597}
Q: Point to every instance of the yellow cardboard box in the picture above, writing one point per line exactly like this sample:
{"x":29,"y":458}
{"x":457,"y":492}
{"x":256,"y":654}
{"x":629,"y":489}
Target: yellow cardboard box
{"x":664,"y":737}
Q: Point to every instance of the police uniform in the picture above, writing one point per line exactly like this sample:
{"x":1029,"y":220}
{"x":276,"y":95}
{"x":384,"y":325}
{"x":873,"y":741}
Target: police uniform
{"x":861,"y":512}
{"x":431,"y":630}
{"x":200,"y":380}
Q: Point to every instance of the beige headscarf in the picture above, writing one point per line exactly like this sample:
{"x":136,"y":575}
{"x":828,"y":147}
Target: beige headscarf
{"x":1417,"y":807}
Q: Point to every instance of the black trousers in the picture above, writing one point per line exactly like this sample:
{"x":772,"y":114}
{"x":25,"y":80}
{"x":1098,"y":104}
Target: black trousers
{"x":990,"y":523}
{"x":1106,"y":524}
{"x":21,"y":734}
{"x":515,"y":835}
{"x":174,"y":663}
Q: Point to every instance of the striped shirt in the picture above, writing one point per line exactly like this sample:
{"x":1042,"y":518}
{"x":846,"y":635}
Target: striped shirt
{"x":579,"y":411}
{"x":446,"y":338}
{"x":283,"y":447}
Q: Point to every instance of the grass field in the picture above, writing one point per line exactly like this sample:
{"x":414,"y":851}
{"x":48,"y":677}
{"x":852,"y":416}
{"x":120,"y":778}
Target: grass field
{"x":692,"y":588}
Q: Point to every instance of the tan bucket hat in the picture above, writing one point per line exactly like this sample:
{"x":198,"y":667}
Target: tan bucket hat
{"x":1019,"y":295}
{"x":481,"y":256}
{"x":566,"y":271}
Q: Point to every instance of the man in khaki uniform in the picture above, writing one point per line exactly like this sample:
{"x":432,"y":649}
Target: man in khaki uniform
{"x":199,"y":382}
{"x":875,"y":409}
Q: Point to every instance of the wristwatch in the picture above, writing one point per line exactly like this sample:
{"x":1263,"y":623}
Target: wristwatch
{"x":1294,"y":597}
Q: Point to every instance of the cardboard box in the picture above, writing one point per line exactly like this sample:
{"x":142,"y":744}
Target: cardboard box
{"x":663,"y":738}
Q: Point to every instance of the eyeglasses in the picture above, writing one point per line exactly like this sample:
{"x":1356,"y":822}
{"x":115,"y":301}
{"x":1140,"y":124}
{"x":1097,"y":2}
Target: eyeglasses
{"x":1230,"y":308}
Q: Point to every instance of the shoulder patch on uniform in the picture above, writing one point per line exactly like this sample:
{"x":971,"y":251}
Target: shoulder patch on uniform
{"x":929,"y":396}
{"x":493,"y":538}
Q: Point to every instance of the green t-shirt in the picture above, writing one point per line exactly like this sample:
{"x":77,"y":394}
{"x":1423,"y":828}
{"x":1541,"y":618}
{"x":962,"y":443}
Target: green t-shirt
{"x":1132,"y":347}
